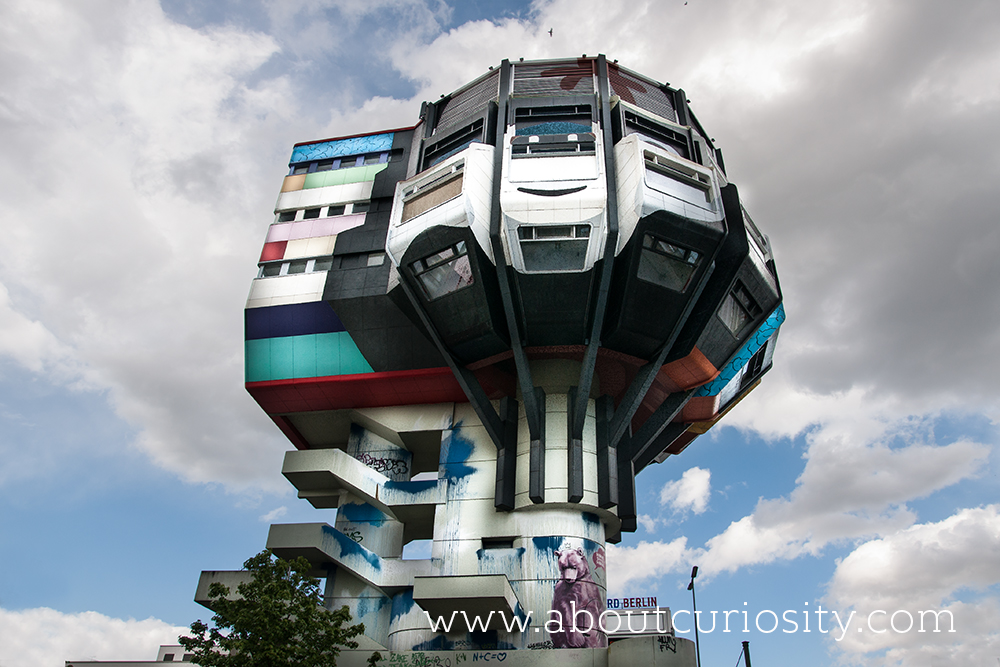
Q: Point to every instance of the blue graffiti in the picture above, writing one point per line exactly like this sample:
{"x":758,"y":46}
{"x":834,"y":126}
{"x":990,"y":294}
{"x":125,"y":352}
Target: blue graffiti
{"x":753,"y":344}
{"x":349,"y":547}
{"x":375,"y":143}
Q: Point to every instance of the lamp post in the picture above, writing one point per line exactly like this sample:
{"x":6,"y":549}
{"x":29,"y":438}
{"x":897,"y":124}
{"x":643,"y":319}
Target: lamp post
{"x":694,"y":605}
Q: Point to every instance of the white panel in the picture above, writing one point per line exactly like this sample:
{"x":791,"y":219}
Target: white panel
{"x":300,"y":288}
{"x":331,"y":194}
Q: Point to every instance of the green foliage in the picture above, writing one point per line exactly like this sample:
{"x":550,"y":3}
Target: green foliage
{"x":374,"y":658}
{"x":276,"y":620}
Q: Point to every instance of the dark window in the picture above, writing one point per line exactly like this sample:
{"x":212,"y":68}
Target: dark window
{"x":298,"y":266}
{"x":300,"y":169}
{"x":361,"y":207}
{"x":431,"y":194}
{"x":665,"y":264}
{"x":270,"y":270}
{"x":188,"y":657}
{"x":738,"y":309}
{"x":286,"y":216}
{"x":336,"y":210}
{"x":554,"y":247}
{"x":547,"y":120}
{"x":554,"y":145}
{"x":753,"y":367}
{"x":455,"y":142}
{"x":372,"y":158}
{"x":168,"y":657}
{"x":323,"y":264}
{"x":498,"y":543}
{"x":347,"y":162}
{"x":444,"y":272}
{"x":311,"y":213}
{"x":669,"y":139}
{"x":324,"y":165}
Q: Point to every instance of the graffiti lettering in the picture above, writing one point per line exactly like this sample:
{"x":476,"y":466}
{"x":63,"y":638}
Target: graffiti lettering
{"x":667,"y":643}
{"x":390,"y":466}
{"x":356,"y":536}
{"x":540,"y":645}
{"x":487,"y":656}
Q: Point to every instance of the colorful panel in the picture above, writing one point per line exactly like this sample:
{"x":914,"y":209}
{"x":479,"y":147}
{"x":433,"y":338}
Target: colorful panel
{"x":298,"y":319}
{"x":273,"y":251}
{"x":322,"y":179}
{"x":314,"y":247}
{"x":307,"y":229}
{"x":313,"y":355}
{"x":373,"y":143}
{"x":422,"y":386}
{"x":300,"y":288}
{"x":754,"y":343}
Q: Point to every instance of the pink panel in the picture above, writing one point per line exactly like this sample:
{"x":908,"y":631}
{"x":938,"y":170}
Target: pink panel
{"x":308,"y":229}
{"x":279,"y":232}
{"x":273,"y":251}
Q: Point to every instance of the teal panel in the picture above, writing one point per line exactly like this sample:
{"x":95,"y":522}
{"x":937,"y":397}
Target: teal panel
{"x":328,"y":353}
{"x":312,"y":355}
{"x":282,"y":358}
{"x":372,"y":143}
{"x":322,"y":179}
{"x":258,"y":360}
{"x":351,"y":360}
{"x":304,"y":356}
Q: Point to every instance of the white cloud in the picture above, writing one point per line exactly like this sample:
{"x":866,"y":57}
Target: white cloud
{"x":43,"y":636}
{"x":692,"y":491}
{"x":274,"y":514}
{"x":929,"y":566}
{"x":629,"y":566}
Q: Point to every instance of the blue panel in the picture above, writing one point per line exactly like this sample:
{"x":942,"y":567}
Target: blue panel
{"x":754,"y":343}
{"x":373,"y":143}
{"x":297,"y":319}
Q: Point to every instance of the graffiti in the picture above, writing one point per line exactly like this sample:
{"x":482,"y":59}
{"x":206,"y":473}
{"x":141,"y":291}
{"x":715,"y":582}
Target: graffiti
{"x":598,"y":557}
{"x":576,"y":602}
{"x":540,"y":645}
{"x":487,"y":656}
{"x":419,"y":659}
{"x":667,"y":643}
{"x":356,"y":536}
{"x":384,"y":466}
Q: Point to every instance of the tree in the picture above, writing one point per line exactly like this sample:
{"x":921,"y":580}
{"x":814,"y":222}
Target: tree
{"x":277,"y":619}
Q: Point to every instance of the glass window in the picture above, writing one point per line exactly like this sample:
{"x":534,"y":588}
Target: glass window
{"x":323,"y":264}
{"x":336,"y":210}
{"x":665,"y":264}
{"x":738,"y":309}
{"x":286,"y":216}
{"x":372,"y":158}
{"x":361,"y":207}
{"x":311,"y":213}
{"x":347,"y":162}
{"x":324,"y":165}
{"x":300,"y":169}
{"x":270,"y":270}
{"x":298,"y":266}
{"x":444,"y":272}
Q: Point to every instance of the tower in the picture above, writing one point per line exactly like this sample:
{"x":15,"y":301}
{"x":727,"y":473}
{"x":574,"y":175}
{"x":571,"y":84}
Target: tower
{"x":479,"y":329}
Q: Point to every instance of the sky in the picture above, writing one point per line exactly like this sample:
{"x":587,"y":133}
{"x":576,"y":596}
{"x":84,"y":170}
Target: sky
{"x":142,"y":145}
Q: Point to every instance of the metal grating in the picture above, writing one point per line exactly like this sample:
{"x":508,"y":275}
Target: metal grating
{"x":554,"y":80}
{"x":641,"y":93}
{"x":471,"y":101}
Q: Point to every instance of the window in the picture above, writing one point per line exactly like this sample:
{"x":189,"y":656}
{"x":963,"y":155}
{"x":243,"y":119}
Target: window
{"x":444,"y":272}
{"x":345,"y":162}
{"x":361,"y":207}
{"x":453,"y":143}
{"x":168,"y":657}
{"x":311,"y":213}
{"x":424,"y":196}
{"x":658,"y":165}
{"x":336,"y":210}
{"x":300,"y":169}
{"x":376,"y":259}
{"x":286,"y":216}
{"x":583,"y":143}
{"x":738,"y":309}
{"x":272,"y":269}
{"x":498,"y":543}
{"x":567,"y":119}
{"x":372,"y":158}
{"x":665,"y":264}
{"x":554,"y":247}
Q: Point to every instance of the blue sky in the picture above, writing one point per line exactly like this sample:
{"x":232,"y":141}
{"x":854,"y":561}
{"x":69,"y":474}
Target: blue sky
{"x":142,"y":147}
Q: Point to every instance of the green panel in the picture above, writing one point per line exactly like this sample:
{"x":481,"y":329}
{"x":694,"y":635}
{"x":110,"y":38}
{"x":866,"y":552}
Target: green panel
{"x":351,"y":360}
{"x":258,"y":360}
{"x":328,"y":353}
{"x":322,"y":179}
{"x":282,"y":357}
{"x":313,"y":355}
{"x":304,"y":356}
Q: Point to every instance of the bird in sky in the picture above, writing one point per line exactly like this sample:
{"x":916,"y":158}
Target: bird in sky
{"x":550,"y":31}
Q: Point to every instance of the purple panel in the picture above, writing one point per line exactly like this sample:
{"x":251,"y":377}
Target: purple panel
{"x":279,"y":232}
{"x":291,"y":320}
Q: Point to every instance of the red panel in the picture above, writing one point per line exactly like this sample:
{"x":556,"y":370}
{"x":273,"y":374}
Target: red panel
{"x":292,"y":433}
{"x":692,"y":371}
{"x":366,"y":390}
{"x":273,"y":250}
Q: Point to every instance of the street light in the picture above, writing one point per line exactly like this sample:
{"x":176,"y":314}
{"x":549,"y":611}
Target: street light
{"x":694,"y":605}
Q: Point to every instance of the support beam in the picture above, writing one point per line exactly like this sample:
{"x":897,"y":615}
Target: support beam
{"x":507,"y":457}
{"x":607,"y":455}
{"x":536,"y":456}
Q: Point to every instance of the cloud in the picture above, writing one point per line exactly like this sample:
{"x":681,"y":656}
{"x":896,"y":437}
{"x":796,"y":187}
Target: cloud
{"x":691,"y":491}
{"x":929,"y":566}
{"x":629,"y":566}
{"x":858,"y":477}
{"x":45,"y":636}
{"x":274,"y":514}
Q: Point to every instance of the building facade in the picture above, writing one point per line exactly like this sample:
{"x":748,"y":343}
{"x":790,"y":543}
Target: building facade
{"x":477,"y":331}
